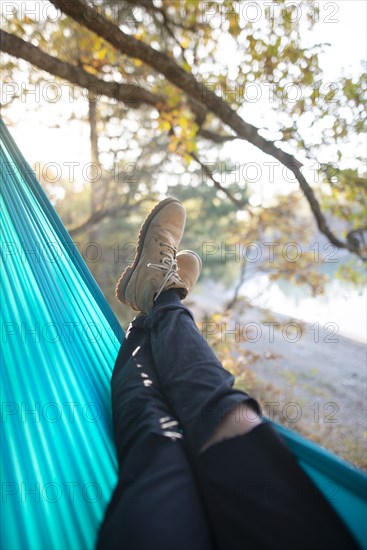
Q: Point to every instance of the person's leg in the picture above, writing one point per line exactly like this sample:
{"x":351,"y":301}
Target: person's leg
{"x":256,"y":494}
{"x":197,"y":387}
{"x":156,"y":505}
{"x":255,"y":490}
{"x":199,"y":391}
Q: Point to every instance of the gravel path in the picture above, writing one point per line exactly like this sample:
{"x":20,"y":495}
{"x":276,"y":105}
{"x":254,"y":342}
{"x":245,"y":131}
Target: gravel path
{"x":319,"y":375}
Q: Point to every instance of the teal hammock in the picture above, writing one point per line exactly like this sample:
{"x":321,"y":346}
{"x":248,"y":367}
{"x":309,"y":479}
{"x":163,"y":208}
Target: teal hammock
{"x":59,"y":343}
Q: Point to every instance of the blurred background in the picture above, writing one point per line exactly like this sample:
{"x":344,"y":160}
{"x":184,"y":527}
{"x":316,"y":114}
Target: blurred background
{"x":108,"y":133}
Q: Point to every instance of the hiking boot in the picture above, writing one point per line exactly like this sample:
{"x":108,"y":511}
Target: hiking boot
{"x":189,"y":269}
{"x":154,"y":268}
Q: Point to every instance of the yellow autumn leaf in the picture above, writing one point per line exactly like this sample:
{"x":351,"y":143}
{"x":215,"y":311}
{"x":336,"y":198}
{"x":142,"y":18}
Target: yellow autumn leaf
{"x":164,"y":125}
{"x":102,"y":53}
{"x":187,"y":67}
{"x":183,"y":122}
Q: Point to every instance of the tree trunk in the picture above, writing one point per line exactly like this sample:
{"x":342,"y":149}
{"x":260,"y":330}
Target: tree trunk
{"x":95,"y":186}
{"x":94,"y":153}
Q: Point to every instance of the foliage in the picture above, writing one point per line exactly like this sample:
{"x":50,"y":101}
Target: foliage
{"x":268,"y":71}
{"x":271,"y":53}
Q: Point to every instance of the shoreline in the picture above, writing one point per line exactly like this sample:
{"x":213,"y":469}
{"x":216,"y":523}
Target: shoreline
{"x":320,"y":377}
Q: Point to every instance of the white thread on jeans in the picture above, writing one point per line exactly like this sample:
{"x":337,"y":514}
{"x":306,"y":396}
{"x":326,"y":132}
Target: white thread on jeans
{"x":135,"y":351}
{"x":173,"y":435}
{"x":170,"y":424}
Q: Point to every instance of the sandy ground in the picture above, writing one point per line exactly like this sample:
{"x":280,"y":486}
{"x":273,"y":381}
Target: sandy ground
{"x":317,"y":377}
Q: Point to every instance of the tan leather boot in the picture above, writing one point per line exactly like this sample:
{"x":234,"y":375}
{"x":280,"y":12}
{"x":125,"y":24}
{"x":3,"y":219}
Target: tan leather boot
{"x":154,"y":268}
{"x":189,"y":269}
{"x":189,"y":266}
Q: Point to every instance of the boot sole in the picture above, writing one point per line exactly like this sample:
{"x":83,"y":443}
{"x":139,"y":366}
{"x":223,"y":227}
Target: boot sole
{"x":127,"y":273}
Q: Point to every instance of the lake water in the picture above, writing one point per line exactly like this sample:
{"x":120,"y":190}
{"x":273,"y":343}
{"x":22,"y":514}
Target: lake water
{"x":341,"y":303}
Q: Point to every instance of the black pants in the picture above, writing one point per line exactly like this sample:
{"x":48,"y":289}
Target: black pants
{"x":169,"y":393}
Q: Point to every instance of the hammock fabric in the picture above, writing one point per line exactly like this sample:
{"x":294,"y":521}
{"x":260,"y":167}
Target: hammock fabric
{"x":59,"y":342}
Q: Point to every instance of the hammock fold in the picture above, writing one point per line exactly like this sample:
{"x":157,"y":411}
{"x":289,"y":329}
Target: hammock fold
{"x":59,"y":343}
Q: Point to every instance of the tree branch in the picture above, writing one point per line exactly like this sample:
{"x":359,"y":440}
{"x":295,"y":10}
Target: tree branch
{"x":239,"y":284}
{"x":217,"y":138}
{"x":99,"y":215}
{"x":165,"y":23}
{"x":132,"y":95}
{"x":91,"y":19}
{"x":149,"y":6}
{"x":217,"y":185}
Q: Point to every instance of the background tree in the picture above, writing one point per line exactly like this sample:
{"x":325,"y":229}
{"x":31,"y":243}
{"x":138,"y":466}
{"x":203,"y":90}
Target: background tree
{"x":156,"y":55}
{"x":162,"y":99}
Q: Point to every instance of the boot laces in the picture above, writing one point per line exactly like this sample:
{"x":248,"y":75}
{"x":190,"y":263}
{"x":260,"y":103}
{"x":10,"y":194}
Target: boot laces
{"x":169,"y":265}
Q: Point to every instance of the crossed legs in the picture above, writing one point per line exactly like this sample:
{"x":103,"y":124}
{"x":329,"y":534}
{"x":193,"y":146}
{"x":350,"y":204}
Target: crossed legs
{"x":156,"y":504}
{"x":198,"y":467}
